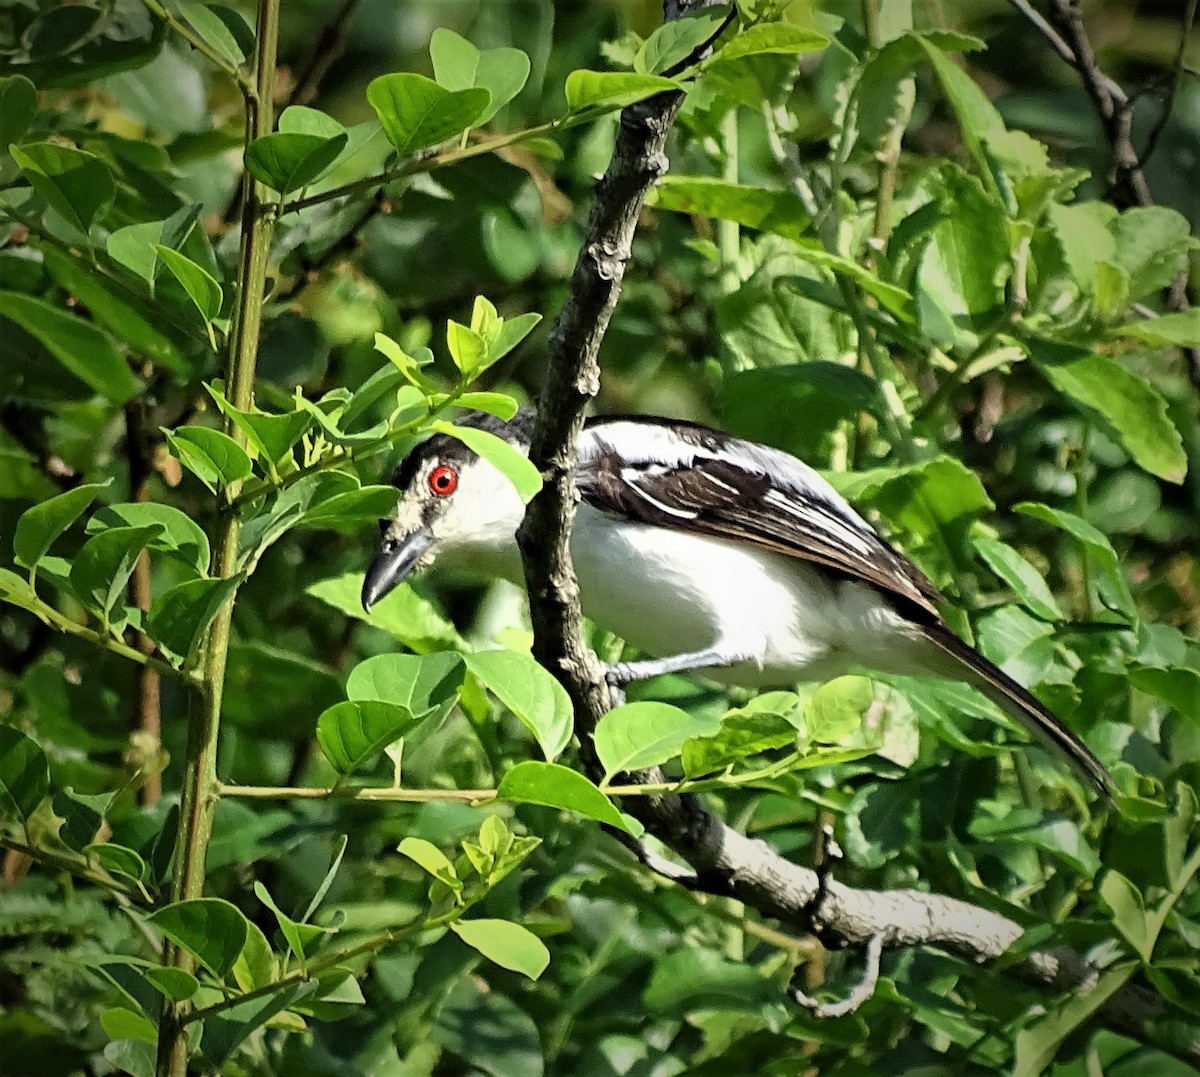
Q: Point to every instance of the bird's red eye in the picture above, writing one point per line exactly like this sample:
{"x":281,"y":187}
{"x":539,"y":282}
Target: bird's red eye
{"x":443,"y":480}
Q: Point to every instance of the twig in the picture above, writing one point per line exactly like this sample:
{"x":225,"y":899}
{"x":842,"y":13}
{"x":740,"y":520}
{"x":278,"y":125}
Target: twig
{"x":329,"y":45}
{"x":1173,"y":81}
{"x":863,"y":990}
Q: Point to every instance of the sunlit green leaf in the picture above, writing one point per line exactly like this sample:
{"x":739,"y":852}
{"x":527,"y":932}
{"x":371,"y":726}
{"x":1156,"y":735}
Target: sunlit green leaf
{"x":509,"y":945}
{"x":555,"y":786}
{"x":459,"y":65}
{"x":645,"y":734}
{"x":530,"y":692}
{"x":612,"y":89}
{"x":417,"y":113}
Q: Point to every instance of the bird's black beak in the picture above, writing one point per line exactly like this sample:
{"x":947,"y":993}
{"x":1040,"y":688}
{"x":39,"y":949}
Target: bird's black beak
{"x":394,"y":561}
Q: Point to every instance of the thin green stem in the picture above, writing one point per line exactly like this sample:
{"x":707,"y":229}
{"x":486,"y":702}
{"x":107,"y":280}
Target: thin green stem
{"x":200,"y":45}
{"x":79,"y":866}
{"x":328,"y":961}
{"x":428,"y":160}
{"x":200,"y":788}
{"x":107,"y":642}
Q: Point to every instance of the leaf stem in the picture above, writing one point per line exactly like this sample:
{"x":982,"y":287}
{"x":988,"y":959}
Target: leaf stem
{"x":78,"y":866}
{"x":106,"y":642}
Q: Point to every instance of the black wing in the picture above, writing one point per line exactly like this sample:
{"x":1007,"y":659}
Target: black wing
{"x":691,"y":478}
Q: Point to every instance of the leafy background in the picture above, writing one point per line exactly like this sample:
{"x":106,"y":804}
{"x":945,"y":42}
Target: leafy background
{"x":979,"y":367}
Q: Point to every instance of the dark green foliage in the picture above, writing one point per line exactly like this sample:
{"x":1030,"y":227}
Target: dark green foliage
{"x":407,"y":872}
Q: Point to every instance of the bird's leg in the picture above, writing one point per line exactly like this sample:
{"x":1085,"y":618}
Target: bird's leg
{"x":621,"y":673}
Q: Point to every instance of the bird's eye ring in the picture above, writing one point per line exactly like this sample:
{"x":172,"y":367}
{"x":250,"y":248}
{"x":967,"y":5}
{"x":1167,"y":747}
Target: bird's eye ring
{"x":443,"y":480}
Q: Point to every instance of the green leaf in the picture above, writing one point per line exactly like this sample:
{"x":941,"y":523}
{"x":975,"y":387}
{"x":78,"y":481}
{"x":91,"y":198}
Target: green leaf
{"x":429,"y":857}
{"x":353,"y":508}
{"x":836,"y":709}
{"x":509,"y":945}
{"x":299,"y":936}
{"x":1083,"y":236}
{"x":180,"y":534}
{"x":555,"y":786}
{"x":1169,"y":330}
{"x":75,"y":184}
{"x":351,"y":733}
{"x":459,"y":65}
{"x":201,"y":286}
{"x":285,"y":162}
{"x":761,"y":404}
{"x":103,"y":566}
{"x":781,"y":38}
{"x":134,"y":1057}
{"x":1152,"y":244}
{"x":16,"y":591}
{"x":40,"y":525}
{"x":1130,"y":406}
{"x":764,"y":208}
{"x":467,"y":348}
{"x":1114,"y":588}
{"x":638,"y":735}
{"x":136,"y":245}
{"x":179,"y":617}
{"x":896,"y":300}
{"x":677,"y":40}
{"x":510,"y":334}
{"x":122,"y":1024}
{"x":212,"y":28}
{"x":24,"y":774}
{"x":174,"y":984}
{"x":978,"y":118}
{"x":117,"y":860}
{"x":418,"y":682}
{"x":417,"y":113}
{"x":1020,"y":575}
{"x":513,"y":464}
{"x":403,"y":613}
{"x":1037,"y":1044}
{"x":18,"y":107}
{"x":1124,"y":904}
{"x":211,"y":930}
{"x":212,"y":456}
{"x":694,"y":979}
{"x":256,"y":965}
{"x":530,"y":692}
{"x":499,"y":404}
{"x":961,"y":273}
{"x":300,"y":120}
{"x":1179,"y":687}
{"x":612,"y":89}
{"x":768,"y":721}
{"x":271,"y":435}
{"x":86,"y":351}
{"x":334,"y":864}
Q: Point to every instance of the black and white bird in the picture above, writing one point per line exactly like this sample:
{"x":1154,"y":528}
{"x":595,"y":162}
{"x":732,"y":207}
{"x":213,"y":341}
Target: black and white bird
{"x":708,"y":553}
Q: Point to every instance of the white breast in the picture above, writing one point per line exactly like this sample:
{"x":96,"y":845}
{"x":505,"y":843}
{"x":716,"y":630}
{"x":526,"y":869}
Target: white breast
{"x":668,"y":592}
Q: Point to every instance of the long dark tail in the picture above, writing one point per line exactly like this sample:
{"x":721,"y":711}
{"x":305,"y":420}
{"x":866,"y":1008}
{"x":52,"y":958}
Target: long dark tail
{"x":1045,"y":726}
